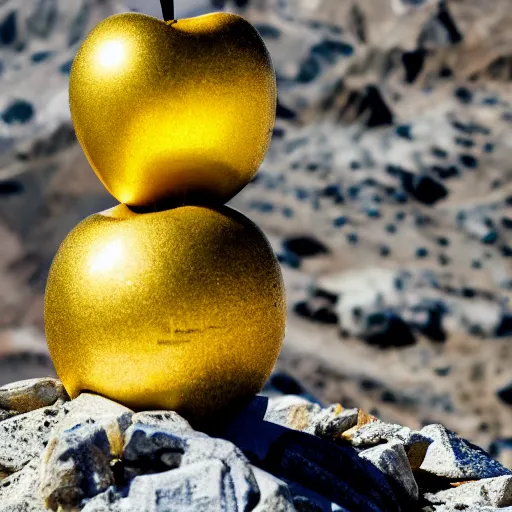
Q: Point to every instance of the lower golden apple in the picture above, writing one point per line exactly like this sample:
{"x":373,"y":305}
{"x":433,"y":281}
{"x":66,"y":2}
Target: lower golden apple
{"x":181,"y":309}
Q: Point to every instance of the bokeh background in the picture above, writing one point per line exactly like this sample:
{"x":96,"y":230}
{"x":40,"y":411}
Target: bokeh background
{"x":387,"y":195}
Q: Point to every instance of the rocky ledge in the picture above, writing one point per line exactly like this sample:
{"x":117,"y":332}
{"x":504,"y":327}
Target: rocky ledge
{"x":282,"y":453}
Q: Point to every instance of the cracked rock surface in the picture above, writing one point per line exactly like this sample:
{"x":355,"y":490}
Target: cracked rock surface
{"x":281,"y":453}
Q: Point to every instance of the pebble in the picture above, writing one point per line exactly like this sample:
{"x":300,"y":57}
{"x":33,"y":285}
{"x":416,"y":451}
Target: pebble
{"x":28,"y":395}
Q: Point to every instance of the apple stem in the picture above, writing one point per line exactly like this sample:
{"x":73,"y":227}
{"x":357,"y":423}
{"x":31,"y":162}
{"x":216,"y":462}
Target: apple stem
{"x":168,"y":9}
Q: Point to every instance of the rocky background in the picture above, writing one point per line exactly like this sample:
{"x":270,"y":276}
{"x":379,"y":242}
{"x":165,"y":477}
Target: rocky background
{"x":386,"y":195}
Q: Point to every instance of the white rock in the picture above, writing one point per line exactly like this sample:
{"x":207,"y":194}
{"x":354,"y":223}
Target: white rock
{"x":291,"y":411}
{"x":24,"y":437}
{"x":274,"y":493}
{"x":495,"y":492}
{"x":77,"y":463}
{"x":151,"y":447}
{"x":452,"y":457}
{"x":391,"y":459}
{"x":202,"y":487}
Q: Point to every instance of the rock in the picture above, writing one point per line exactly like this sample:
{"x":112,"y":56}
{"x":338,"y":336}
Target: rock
{"x":152,"y":447}
{"x":298,"y":413}
{"x":451,"y":457}
{"x":307,"y":500}
{"x":391,"y":459}
{"x":200,"y":487}
{"x":203,"y":485}
{"x":274,"y":493}
{"x":78,"y":461}
{"x":24,"y":437}
{"x":102,"y":457}
{"x":28,"y":395}
{"x":19,"y":491}
{"x":149,"y":449}
{"x":109,"y":501}
{"x":293,"y":412}
{"x":495,"y":492}
{"x":331,"y":470}
{"x":377,"y":432}
{"x":333,"y":421}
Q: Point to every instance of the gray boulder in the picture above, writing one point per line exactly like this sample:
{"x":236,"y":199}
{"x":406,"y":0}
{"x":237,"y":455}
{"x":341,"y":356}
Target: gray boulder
{"x":191,"y":472}
{"x":450,"y":456}
{"x":151,"y":448}
{"x":391,"y":459}
{"x":202,"y":487}
{"x":489,"y":492}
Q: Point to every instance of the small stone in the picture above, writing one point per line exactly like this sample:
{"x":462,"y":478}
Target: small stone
{"x":333,"y":421}
{"x":496,"y":492}
{"x":150,"y":448}
{"x":391,"y":459}
{"x":300,"y":414}
{"x":293,"y":412}
{"x":274,"y":493}
{"x":451,"y":457}
{"x":77,"y":463}
{"x":362,"y":419}
{"x":29,"y":395}
{"x":378,"y":432}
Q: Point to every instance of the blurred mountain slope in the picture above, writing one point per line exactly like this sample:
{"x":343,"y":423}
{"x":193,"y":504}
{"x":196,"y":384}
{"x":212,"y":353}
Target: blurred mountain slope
{"x":386,"y":194}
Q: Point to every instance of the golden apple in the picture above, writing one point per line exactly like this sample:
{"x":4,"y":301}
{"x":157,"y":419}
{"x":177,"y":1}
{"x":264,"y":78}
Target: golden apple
{"x":181,"y":309}
{"x":173,"y":110}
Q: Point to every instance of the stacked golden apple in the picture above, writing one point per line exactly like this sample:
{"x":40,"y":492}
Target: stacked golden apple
{"x":170,"y":300}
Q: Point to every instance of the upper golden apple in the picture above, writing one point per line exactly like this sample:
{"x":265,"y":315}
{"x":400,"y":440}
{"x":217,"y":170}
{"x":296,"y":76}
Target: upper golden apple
{"x":182,"y":309}
{"x":173,"y":110}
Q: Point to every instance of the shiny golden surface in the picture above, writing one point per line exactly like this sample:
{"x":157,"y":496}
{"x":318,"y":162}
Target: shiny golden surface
{"x":167,"y":110}
{"x":182,"y":309}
